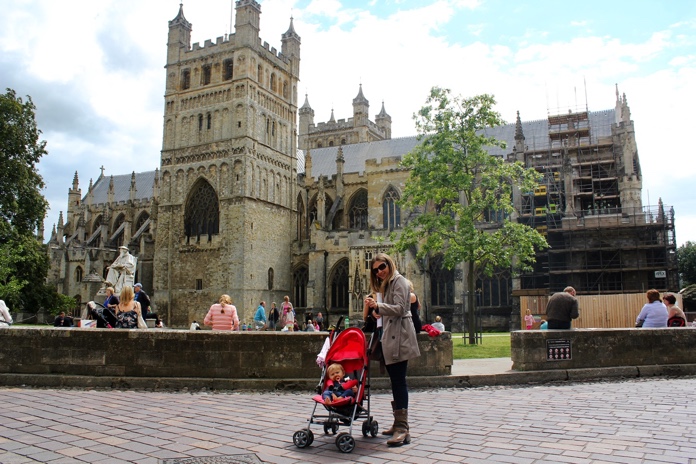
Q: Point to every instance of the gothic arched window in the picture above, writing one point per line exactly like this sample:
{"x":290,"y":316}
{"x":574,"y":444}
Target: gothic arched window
{"x":441,"y":284}
{"x":227,"y":67}
{"x":270,"y":278}
{"x":391,"y":211}
{"x":300,"y":279}
{"x":495,"y":290}
{"x":313,"y":212}
{"x":78,"y":274}
{"x":202,"y":215}
{"x":301,"y":219}
{"x":357,"y":213}
{"x":339,"y":285}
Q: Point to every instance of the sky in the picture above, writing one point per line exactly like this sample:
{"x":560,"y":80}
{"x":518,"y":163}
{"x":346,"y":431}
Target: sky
{"x":95,"y":71}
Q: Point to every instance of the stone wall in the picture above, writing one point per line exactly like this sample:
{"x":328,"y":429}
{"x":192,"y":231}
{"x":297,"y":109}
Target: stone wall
{"x":596,"y":348}
{"x":32,"y":354}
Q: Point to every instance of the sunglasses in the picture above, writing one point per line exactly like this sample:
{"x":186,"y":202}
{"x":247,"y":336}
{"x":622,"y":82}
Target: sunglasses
{"x":381,"y":267}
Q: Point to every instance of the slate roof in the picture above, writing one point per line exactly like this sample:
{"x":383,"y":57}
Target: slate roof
{"x":122,"y":183}
{"x":536,"y":135}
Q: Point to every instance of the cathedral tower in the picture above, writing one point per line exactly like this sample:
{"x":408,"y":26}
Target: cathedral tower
{"x":225,"y":218}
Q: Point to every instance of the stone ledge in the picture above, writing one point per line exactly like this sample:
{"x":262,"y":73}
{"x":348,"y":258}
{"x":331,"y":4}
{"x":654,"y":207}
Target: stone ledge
{"x":378,"y":384}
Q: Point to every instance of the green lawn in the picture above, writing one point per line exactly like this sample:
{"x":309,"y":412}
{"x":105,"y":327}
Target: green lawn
{"x":493,"y":345}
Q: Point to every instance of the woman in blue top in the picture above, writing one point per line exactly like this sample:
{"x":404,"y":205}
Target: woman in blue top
{"x":653,"y":314}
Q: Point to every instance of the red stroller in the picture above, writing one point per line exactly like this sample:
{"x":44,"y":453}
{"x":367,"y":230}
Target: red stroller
{"x":348,"y":348}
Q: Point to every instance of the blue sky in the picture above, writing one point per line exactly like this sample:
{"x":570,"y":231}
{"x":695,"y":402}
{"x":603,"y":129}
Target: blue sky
{"x":95,"y":71}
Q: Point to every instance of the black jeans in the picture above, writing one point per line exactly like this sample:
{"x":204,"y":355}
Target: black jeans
{"x":397,"y":375}
{"x":556,"y":324}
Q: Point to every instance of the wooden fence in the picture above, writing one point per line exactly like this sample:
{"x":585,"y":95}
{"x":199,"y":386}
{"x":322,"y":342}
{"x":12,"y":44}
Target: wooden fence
{"x":596,"y":311}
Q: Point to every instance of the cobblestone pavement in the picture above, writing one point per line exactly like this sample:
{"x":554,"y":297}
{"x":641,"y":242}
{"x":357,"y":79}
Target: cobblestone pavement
{"x":634,"y":421}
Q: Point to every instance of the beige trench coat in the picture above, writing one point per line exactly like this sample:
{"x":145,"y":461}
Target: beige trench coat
{"x":399,"y":341}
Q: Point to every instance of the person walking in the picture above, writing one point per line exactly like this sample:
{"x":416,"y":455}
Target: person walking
{"x":223,"y":315}
{"x":273,"y":316}
{"x":260,"y":316}
{"x":561,"y":309}
{"x":288,"y":314}
{"x":399,"y":343}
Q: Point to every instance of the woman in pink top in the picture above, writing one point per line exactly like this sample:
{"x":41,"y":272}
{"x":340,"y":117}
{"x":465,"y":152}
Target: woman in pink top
{"x":222,"y":316}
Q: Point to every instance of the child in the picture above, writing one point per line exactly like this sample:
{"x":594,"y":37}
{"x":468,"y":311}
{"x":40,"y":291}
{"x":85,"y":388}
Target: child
{"x":529,"y":320}
{"x":338,"y":385}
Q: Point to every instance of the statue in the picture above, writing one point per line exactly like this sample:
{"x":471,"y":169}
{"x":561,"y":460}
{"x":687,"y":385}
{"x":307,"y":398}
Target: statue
{"x":122,"y":270}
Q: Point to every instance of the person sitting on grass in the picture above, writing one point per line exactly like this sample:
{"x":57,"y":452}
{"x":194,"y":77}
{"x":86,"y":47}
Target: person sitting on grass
{"x":338,"y":384}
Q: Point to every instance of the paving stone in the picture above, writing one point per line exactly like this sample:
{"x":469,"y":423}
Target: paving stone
{"x":631,"y":421}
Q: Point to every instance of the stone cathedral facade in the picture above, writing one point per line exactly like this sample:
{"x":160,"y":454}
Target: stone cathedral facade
{"x":255,"y":199}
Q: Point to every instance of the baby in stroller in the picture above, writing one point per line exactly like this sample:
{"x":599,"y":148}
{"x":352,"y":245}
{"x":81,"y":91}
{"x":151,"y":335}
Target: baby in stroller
{"x":338,"y":385}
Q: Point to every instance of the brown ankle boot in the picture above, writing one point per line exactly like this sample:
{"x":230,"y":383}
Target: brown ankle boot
{"x":390,"y":430}
{"x":401,"y":431}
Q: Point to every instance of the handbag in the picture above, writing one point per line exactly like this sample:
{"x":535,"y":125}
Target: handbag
{"x":141,"y":322}
{"x":370,"y":324}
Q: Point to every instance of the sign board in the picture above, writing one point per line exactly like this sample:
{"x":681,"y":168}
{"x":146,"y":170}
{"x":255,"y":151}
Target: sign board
{"x":660,"y":274}
{"x":558,"y":350}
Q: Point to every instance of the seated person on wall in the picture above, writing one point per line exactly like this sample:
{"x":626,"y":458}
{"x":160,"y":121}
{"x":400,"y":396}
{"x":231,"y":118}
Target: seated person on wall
{"x":62,"y":320}
{"x":654,"y":313}
{"x":121,"y":270}
{"x":144,"y":300}
{"x":675,"y":316}
{"x":561,"y":309}
{"x":438,"y":324}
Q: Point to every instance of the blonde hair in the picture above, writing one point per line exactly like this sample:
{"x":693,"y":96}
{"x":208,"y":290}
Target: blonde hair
{"x":375,"y":284}
{"x":224,"y":301}
{"x":110,"y":289}
{"x":286,"y":298}
{"x":126,"y":295}
{"x":438,"y":319}
{"x":332,"y":368}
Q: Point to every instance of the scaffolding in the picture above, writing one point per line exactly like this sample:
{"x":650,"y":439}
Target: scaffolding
{"x":597,"y":245}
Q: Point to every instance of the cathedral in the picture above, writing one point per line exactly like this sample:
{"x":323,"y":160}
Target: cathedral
{"x":251,"y":201}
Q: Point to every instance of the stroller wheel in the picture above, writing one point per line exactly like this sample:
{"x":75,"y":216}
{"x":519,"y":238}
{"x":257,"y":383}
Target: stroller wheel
{"x":374,"y":428}
{"x":345,"y":442}
{"x":303,"y":438}
{"x":330,"y":428}
{"x":366,"y":428}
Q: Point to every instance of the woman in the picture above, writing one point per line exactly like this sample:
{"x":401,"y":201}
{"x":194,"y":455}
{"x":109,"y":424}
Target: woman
{"x":111,"y":300}
{"x":288,"y":314}
{"x":654,"y":313}
{"x":222,"y":315}
{"x":675,"y":315}
{"x":127,"y":310}
{"x":319,"y":321}
{"x":399,"y":342}
{"x":415,"y":308}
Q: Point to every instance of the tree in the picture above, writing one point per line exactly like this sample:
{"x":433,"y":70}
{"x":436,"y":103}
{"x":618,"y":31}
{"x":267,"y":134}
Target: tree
{"x":23,"y":261}
{"x":686,"y":257}
{"x":455,"y":184}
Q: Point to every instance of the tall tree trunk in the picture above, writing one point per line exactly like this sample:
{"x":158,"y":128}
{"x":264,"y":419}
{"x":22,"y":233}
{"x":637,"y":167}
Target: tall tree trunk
{"x":471,"y":284}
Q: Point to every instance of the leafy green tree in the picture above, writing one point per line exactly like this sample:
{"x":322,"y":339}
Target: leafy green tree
{"x":686,"y":257}
{"x":23,"y":260}
{"x":455,"y":184}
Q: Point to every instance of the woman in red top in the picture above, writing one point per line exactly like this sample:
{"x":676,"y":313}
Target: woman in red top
{"x":223,"y":315}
